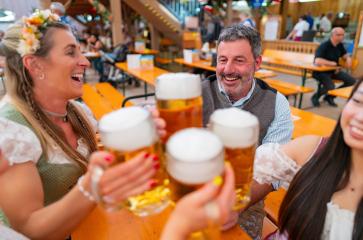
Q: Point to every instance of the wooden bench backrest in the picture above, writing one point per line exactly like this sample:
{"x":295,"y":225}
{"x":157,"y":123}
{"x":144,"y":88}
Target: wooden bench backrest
{"x":291,"y":46}
{"x":98,"y":104}
{"x":111,"y":94}
{"x":293,"y":56}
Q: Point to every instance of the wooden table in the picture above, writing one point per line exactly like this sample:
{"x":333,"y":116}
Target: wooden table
{"x":341,"y":92}
{"x":146,"y":51}
{"x":147,"y":76}
{"x":303,"y":65}
{"x":123,"y":225}
{"x":206,"y":65}
{"x":308,"y":123}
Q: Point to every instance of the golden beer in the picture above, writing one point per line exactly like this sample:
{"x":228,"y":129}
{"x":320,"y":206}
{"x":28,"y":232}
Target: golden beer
{"x":179,"y":101}
{"x":238,"y":131}
{"x":194,"y":157}
{"x":126,"y":133}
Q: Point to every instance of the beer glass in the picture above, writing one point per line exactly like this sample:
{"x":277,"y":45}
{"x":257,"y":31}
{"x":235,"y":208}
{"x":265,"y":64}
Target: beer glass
{"x":179,"y":101}
{"x":194,"y":157}
{"x":125,"y":133}
{"x":238,"y":130}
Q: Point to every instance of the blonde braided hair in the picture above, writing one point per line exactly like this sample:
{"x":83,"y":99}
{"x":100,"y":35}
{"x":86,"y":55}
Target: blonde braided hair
{"x":19,"y":86}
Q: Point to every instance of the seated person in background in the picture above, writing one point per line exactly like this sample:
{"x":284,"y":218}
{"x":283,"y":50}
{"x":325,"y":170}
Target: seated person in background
{"x":95,"y":45}
{"x":325,"y":197}
{"x":48,"y":138}
{"x":298,"y":30}
{"x":193,"y":212}
{"x":328,"y":54}
{"x":325,"y":23}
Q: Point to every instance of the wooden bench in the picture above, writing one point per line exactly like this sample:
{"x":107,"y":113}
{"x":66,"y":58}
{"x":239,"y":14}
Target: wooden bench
{"x":111,"y":94}
{"x":98,"y":104}
{"x":291,"y":46}
{"x":288,"y":89}
{"x":102,"y":98}
{"x":268,"y":227}
{"x":272,"y":204}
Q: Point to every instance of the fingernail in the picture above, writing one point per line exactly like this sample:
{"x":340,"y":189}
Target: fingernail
{"x":108,"y":158}
{"x":146,"y":155}
{"x":218,"y":181}
{"x":108,"y":199}
{"x":153,"y":183}
{"x":155,"y":158}
{"x":156,"y":166}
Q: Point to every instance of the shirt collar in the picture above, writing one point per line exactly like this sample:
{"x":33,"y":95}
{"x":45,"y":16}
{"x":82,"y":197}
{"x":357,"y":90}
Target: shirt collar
{"x":240,"y":102}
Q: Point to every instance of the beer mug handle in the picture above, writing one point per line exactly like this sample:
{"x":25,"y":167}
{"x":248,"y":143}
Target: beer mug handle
{"x":96,"y":175}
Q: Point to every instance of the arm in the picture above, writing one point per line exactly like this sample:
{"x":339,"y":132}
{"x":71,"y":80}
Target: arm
{"x":324,"y":62}
{"x":22,"y":200}
{"x":274,"y":162}
{"x":291,"y":34}
{"x":299,"y":150}
{"x":320,"y":56}
{"x":348,"y":60}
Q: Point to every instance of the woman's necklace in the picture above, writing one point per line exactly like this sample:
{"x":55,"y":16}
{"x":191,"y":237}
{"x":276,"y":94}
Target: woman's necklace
{"x":63,"y":116}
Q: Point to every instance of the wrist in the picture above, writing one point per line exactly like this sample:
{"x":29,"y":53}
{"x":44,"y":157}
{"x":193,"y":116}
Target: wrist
{"x":83,"y":186}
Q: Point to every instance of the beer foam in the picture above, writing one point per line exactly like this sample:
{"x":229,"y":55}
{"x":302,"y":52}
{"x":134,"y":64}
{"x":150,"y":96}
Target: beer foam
{"x":235,"y":127}
{"x":178,"y":86}
{"x":194,"y":156}
{"x":127,"y":129}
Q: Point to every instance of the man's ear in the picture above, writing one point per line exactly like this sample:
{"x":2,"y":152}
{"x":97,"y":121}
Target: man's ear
{"x":32,"y":64}
{"x":258,"y":62}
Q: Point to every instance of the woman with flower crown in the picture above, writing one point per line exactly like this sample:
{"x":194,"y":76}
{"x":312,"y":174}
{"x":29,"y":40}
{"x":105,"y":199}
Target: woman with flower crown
{"x":48,"y":138}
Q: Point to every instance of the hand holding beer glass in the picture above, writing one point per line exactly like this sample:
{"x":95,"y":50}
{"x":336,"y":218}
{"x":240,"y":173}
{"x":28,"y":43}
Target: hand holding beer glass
{"x":238,"y":130}
{"x":194,"y":157}
{"x":126,"y":133}
{"x":179,"y":101}
{"x":191,"y":212}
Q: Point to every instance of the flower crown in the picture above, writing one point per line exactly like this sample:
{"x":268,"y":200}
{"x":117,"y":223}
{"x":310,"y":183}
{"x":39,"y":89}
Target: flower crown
{"x":31,"y":32}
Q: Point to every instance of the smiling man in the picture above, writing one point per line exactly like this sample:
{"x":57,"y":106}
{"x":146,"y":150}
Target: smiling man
{"x":234,"y":85}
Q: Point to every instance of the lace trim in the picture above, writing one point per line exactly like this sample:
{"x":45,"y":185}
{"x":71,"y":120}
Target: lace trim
{"x":272,"y":164}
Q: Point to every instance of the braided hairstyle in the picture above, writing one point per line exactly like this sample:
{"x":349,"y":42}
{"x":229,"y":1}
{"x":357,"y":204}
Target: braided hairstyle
{"x":19,"y":85}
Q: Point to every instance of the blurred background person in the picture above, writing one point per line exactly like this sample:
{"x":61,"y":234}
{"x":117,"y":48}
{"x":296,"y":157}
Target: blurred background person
{"x":298,"y":30}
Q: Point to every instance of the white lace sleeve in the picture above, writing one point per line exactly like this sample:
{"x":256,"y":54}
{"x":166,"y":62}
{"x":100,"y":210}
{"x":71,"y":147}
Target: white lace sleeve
{"x":87,"y":111}
{"x":18,"y":143}
{"x":272,"y":164}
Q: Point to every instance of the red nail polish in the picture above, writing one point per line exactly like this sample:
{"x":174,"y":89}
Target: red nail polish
{"x":155,"y":158}
{"x":156,"y":166}
{"x":147,"y":155}
{"x":108,"y":158}
{"x":153,"y":183}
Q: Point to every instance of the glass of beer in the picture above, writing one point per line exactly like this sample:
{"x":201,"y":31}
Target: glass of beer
{"x":238,"y":130}
{"x":179,"y":101}
{"x":194,"y":157}
{"x":125,"y":133}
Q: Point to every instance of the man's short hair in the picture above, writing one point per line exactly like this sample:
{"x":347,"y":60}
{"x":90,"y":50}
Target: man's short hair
{"x":241,"y":32}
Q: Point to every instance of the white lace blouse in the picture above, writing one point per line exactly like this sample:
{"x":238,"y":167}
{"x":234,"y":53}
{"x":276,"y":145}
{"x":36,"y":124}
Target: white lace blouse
{"x":9,"y":234}
{"x":19,"y":144}
{"x":272,"y":164}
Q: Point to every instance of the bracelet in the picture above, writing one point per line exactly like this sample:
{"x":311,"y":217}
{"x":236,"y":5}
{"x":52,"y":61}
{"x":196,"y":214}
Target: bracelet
{"x":83,"y":191}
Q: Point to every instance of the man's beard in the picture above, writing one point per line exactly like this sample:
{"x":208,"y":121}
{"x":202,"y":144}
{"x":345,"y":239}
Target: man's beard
{"x":243,"y":78}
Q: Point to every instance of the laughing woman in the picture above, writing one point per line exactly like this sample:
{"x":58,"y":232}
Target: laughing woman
{"x":324,"y":178}
{"x":48,"y":138}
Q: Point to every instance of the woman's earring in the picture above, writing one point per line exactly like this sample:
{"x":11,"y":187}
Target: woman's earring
{"x":41,"y":76}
